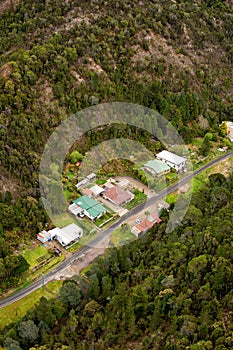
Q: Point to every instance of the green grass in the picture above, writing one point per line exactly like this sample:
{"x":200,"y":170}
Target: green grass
{"x":33,"y":255}
{"x":15,"y":311}
{"x":63,"y":220}
{"x":120,"y":236}
{"x":171,"y":198}
{"x":197,"y":142}
{"x":100,"y":182}
{"x":99,"y":222}
{"x":139,"y":198}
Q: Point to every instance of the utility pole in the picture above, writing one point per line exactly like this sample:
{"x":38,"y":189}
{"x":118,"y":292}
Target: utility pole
{"x":42,"y":275}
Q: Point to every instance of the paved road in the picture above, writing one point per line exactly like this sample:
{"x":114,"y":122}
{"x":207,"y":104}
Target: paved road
{"x":52,"y":274}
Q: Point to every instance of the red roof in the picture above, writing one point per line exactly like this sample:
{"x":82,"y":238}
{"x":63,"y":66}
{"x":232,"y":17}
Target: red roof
{"x":117,"y":195}
{"x":146,"y":225}
{"x":87,"y":192}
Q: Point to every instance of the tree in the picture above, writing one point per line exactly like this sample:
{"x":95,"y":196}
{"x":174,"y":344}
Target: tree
{"x":70,"y":294}
{"x":11,"y":344}
{"x":28,"y":331}
{"x":75,"y":157}
{"x":205,"y":147}
{"x":223,"y":128}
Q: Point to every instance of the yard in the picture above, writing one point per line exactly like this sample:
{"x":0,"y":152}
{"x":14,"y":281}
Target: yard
{"x":35,"y":256}
{"x":121,"y":236}
{"x":139,"y":197}
{"x":107,"y":217}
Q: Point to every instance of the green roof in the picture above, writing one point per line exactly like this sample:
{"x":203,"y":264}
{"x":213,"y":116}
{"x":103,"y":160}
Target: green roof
{"x":157,"y":166}
{"x":85,"y":202}
{"x":96,"y":210}
{"x":89,"y":204}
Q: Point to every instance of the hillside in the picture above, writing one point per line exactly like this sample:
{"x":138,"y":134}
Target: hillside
{"x":59,"y":57}
{"x":175,"y":57}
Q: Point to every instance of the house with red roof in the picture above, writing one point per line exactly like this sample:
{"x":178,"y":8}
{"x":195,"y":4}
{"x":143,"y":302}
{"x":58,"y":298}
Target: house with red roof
{"x":118,"y":196}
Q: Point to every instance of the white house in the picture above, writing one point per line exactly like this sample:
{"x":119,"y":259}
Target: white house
{"x":173,"y":160}
{"x":65,"y":236}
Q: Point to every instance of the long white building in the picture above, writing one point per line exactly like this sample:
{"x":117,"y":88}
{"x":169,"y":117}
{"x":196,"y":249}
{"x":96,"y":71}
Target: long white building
{"x":173,"y":160}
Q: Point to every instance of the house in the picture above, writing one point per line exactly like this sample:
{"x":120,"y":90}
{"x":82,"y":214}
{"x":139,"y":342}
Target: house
{"x":69,"y":234}
{"x":118,"y":196}
{"x":87,"y":206}
{"x":142,"y":227}
{"x":156,"y":167}
{"x":173,"y":160}
{"x":65,"y":236}
{"x":96,"y":190}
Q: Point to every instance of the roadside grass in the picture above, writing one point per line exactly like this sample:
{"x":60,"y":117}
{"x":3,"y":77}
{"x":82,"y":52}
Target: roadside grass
{"x":15,"y":311}
{"x":121,"y":236}
{"x":171,"y":198}
{"x":45,"y":269}
{"x":83,"y":241}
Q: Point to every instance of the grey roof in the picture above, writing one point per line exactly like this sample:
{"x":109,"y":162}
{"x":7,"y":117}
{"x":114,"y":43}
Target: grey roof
{"x":91,"y":176}
{"x":171,"y":157}
{"x":96,"y":189}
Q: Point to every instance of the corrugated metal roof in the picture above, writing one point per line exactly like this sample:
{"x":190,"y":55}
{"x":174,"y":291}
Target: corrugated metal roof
{"x":157,"y":165}
{"x":118,"y":195}
{"x":93,"y":207}
{"x":96,"y":189}
{"x":171,"y":157}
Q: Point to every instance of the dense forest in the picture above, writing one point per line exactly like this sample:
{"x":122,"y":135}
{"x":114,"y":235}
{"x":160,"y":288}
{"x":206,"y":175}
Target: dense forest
{"x":59,"y":57}
{"x":168,"y":291}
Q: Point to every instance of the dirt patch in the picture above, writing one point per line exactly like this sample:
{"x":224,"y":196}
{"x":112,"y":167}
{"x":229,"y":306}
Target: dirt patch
{"x":8,"y":184}
{"x":84,"y":261}
{"x":5,"y":70}
{"x":8,"y":5}
{"x":77,"y":77}
{"x":225,"y":168}
{"x":159,"y":48}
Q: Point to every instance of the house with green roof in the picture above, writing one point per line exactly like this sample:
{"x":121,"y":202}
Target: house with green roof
{"x":87,"y":206}
{"x":156,"y":167}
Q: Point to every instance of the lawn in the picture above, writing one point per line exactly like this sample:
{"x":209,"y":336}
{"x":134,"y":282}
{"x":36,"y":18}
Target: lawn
{"x":139,"y":197}
{"x":34,"y":256}
{"x":18,"y":309}
{"x":121,"y":236}
{"x":105,"y":217}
